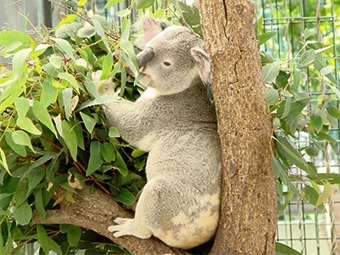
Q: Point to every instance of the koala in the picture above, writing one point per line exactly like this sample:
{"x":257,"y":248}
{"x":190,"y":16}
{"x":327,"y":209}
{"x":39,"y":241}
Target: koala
{"x":174,"y":122}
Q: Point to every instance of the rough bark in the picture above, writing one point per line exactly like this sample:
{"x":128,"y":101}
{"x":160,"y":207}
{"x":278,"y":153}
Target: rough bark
{"x":95,"y":211}
{"x":249,"y":198}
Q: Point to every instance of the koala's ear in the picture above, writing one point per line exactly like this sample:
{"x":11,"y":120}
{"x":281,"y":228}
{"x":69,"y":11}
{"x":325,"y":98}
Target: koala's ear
{"x":152,"y":27}
{"x":203,"y":64}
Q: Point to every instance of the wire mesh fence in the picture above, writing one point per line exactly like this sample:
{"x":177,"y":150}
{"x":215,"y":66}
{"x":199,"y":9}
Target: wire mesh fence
{"x":300,"y":225}
{"x":295,"y":22}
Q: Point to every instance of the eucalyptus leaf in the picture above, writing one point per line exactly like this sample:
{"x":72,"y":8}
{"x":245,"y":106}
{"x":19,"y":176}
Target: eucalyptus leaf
{"x":95,"y":160}
{"x":23,"y":213}
{"x":125,"y":197}
{"x":270,"y":72}
{"x":306,"y":59}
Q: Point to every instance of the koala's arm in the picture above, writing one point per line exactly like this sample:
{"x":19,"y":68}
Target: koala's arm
{"x":127,"y":117}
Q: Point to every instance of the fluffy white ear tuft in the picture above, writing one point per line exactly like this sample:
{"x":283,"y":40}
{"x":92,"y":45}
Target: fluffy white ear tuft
{"x":152,"y":27}
{"x":203,"y":64}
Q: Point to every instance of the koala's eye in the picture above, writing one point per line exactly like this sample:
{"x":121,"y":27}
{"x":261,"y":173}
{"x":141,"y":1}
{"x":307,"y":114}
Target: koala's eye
{"x":166,"y":63}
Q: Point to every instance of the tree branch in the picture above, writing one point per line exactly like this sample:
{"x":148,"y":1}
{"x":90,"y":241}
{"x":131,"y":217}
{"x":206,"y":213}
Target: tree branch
{"x":95,"y":211}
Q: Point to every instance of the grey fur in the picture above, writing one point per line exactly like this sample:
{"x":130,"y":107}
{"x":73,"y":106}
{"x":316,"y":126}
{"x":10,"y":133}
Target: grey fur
{"x":175,"y":122}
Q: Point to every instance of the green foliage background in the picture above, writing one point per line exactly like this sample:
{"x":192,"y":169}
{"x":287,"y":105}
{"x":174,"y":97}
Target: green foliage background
{"x":53,"y":132}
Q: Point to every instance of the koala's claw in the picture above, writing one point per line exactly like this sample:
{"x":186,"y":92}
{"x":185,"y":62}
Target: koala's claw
{"x":122,"y":228}
{"x":120,"y":221}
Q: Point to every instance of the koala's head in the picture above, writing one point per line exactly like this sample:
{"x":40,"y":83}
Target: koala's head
{"x":173,"y":58}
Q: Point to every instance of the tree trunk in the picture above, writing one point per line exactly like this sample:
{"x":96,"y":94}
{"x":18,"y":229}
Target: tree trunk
{"x":249,"y":198}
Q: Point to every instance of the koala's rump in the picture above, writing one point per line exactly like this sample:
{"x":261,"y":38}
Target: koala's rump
{"x":178,"y":214}
{"x":181,"y":198}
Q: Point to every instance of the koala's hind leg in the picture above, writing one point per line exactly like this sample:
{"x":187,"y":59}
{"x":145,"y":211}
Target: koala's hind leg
{"x":151,"y":210}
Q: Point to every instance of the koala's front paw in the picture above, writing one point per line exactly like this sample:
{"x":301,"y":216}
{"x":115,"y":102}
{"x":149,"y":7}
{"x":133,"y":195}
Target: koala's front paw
{"x":123,"y":228}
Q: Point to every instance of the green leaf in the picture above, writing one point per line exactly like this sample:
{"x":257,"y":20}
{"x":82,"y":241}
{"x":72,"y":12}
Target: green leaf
{"x":312,"y":151}
{"x":64,"y":46}
{"x":307,"y":58}
{"x":326,"y":70}
{"x":3,"y":161}
{"x":43,"y":116}
{"x":8,"y":37}
{"x":86,"y":32}
{"x":17,"y":148}
{"x":20,"y":137}
{"x":137,"y":153}
{"x":70,"y":79}
{"x":26,"y":124}
{"x":144,"y":4}
{"x":327,"y":191}
{"x":297,"y":107}
{"x":46,"y":242}
{"x":121,"y":165}
{"x":272,"y":96}
{"x":108,"y":152}
{"x":327,"y":137}
{"x":23,"y":213}
{"x":291,"y":154}
{"x":19,"y":61}
{"x":38,"y":202}
{"x":95,"y":160}
{"x":282,"y":249}
{"x":112,"y":3}
{"x":265,"y":37}
{"x":107,"y":67}
{"x":22,"y":106}
{"x":123,"y":13}
{"x":49,"y":94}
{"x":281,"y":173}
{"x":89,"y":122}
{"x":321,"y":178}
{"x":334,"y":112}
{"x":35,"y":178}
{"x":270,"y":72}
{"x":73,"y":235}
{"x":125,"y":197}
{"x":320,"y":63}
{"x":310,"y":194}
{"x":82,"y":2}
{"x":67,"y":99}
{"x":316,"y":122}
{"x":56,"y":61}
{"x":100,"y":31}
{"x":70,"y":138}
{"x":21,"y":193}
{"x":113,"y":132}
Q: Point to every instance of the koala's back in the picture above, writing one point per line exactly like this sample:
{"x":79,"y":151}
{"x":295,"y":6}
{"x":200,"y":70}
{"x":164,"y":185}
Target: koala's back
{"x":183,"y":167}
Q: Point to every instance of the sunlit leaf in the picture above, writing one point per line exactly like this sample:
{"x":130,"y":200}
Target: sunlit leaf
{"x":22,"y":138}
{"x":123,"y":13}
{"x":306,"y":59}
{"x":270,"y":72}
{"x":112,"y":3}
{"x":64,"y":46}
{"x":144,"y":4}
{"x":327,"y":191}
{"x":86,"y":32}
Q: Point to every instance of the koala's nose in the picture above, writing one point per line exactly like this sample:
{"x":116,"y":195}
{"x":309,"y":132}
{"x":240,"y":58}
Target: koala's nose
{"x":145,"y":57}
